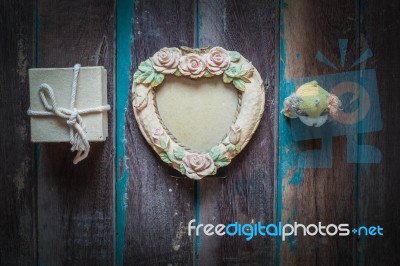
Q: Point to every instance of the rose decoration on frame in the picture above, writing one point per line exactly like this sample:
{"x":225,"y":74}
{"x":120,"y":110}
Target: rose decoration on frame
{"x":186,"y":62}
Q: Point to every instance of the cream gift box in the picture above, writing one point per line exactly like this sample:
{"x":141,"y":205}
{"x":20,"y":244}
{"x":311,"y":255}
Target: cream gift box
{"x":91,"y":92}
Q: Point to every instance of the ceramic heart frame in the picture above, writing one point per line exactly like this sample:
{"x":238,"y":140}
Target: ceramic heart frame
{"x":198,"y":64}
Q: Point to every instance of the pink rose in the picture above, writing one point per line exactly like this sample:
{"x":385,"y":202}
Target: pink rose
{"x":161,"y":139}
{"x":166,"y":60}
{"x":234,"y":134}
{"x":217,"y":60}
{"x":192,"y":65}
{"x":198,"y":166}
{"x":157,"y":133}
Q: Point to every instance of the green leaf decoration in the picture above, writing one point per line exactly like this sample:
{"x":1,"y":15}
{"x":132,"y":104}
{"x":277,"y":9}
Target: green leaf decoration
{"x":165,"y":158}
{"x":239,"y":84}
{"x":226,"y":141}
{"x":226,"y":78}
{"x":147,"y":74}
{"x":158,"y":79}
{"x":222,"y":161}
{"x":164,"y":144}
{"x":223,"y":158}
{"x":207,"y":74}
{"x":144,"y":77}
{"x":235,"y":56}
{"x":232,"y":72}
{"x":238,"y":147}
{"x":143,"y":68}
{"x":146,"y":65}
{"x":148,"y":62}
{"x":150,"y":76}
{"x":177,"y":73}
{"x":182,"y":169}
{"x":215,"y":153}
{"x":171,"y":156}
{"x":138,"y":77}
{"x":230,"y":147}
{"x":179,"y":153}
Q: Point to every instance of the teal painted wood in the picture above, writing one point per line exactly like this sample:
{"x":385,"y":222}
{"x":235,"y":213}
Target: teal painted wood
{"x":310,"y":189}
{"x":69,"y":202}
{"x":156,"y":206}
{"x":284,"y":161}
{"x":123,"y":80}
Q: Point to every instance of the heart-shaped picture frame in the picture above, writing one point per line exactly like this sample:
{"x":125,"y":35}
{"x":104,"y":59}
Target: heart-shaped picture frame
{"x":198,"y":64}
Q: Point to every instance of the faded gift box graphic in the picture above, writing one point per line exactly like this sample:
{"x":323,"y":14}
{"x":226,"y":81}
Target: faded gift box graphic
{"x":360,"y":114}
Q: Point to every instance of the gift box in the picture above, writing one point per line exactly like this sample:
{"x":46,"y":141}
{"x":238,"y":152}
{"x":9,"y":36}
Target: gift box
{"x":91,"y":93}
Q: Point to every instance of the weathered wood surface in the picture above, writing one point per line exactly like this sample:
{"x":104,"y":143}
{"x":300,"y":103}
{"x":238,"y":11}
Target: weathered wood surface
{"x":64,"y":214}
{"x":17,"y":178}
{"x":379,"y":184}
{"x":76,"y":202}
{"x":158,"y":206}
{"x":325,"y":194}
{"x":247,"y":194}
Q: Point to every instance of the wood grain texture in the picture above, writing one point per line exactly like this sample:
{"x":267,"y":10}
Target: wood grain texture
{"x":158,"y":206}
{"x":17,"y":178}
{"x":247,"y":194}
{"x":64,"y":214}
{"x":76,"y":202}
{"x":379,"y":200}
{"x":312,"y":195}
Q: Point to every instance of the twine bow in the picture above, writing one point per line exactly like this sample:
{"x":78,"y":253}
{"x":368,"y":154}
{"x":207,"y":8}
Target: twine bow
{"x":77,"y":130}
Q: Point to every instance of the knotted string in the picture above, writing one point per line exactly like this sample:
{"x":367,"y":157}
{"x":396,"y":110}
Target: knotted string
{"x":77,"y":130}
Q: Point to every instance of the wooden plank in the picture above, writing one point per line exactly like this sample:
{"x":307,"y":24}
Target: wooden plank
{"x":76,"y":202}
{"x":247,"y":195}
{"x":319,"y":193}
{"x":124,"y":31}
{"x":17,"y":178}
{"x":379,"y":200}
{"x":157,"y":207}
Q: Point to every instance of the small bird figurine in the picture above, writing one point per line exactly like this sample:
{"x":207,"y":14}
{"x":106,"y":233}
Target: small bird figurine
{"x":312,"y":105}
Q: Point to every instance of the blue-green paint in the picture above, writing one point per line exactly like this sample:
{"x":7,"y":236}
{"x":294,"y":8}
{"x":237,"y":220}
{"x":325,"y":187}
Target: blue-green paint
{"x":297,"y":177}
{"x":290,"y":239}
{"x":321,"y":158}
{"x":288,"y":149}
{"x":123,"y":80}
{"x":322,"y":58}
{"x":366,"y":55}
{"x":282,"y":63}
